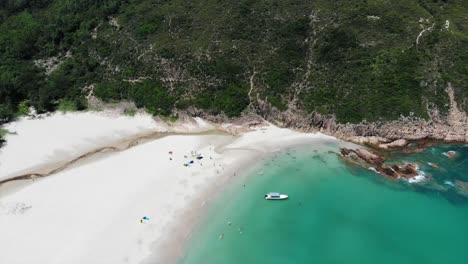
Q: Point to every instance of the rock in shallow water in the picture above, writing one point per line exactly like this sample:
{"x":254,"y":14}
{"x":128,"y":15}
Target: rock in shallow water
{"x":450,"y":154}
{"x":369,"y":158}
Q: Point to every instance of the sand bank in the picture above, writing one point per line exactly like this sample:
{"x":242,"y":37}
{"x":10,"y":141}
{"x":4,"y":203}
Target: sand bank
{"x":36,"y":144}
{"x":92,"y":212}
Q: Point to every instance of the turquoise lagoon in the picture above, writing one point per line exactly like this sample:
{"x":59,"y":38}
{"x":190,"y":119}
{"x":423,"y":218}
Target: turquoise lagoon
{"x":338,"y":213}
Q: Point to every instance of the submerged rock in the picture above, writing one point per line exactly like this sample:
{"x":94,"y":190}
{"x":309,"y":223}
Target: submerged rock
{"x":450,"y":154}
{"x":462,"y":187}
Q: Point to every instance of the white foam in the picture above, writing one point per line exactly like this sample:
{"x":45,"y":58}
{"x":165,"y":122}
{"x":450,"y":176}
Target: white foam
{"x":418,"y":178}
{"x":450,"y":183}
{"x":449,"y":153}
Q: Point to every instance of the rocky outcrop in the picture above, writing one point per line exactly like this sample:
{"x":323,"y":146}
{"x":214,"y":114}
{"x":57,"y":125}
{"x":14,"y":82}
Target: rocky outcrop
{"x":363,"y":156}
{"x":296,"y":119}
{"x":372,"y":140}
{"x":375,"y":161}
{"x":394,"y":144}
{"x":51,"y":64}
{"x":452,"y":127}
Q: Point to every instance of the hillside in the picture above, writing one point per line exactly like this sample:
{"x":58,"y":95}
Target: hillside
{"x":346,"y":61}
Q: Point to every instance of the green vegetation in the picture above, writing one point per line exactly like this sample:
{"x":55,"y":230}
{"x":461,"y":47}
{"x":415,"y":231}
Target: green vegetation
{"x":130,"y":112}
{"x":230,"y":100}
{"x":65,"y":105}
{"x":3,"y":133}
{"x":170,"y":119}
{"x":23,"y":108}
{"x":354,"y":59}
{"x":150,"y":95}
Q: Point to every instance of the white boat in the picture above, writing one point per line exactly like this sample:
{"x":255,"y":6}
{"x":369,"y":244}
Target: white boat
{"x":275,"y":196}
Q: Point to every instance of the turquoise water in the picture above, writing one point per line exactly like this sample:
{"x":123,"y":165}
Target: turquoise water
{"x":337,"y":213}
{"x":444,"y":172}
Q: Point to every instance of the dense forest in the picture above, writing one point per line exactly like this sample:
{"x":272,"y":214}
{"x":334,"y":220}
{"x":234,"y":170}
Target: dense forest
{"x":356,"y":60}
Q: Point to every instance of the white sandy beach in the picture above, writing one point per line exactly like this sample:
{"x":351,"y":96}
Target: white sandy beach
{"x":91,"y":212}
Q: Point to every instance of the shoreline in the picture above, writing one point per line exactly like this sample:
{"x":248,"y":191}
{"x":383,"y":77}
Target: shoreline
{"x":127,"y":183}
{"x":139,"y":169}
{"x":261,"y":227}
{"x":197,"y":212}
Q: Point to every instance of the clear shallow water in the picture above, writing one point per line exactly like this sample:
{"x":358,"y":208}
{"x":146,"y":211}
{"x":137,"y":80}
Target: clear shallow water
{"x":336,"y":214}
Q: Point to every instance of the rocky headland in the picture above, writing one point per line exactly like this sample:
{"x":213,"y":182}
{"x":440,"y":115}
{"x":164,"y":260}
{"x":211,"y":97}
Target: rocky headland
{"x":449,"y":127}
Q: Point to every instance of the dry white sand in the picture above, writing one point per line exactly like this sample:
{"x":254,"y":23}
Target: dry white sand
{"x":62,"y":137}
{"x":91,"y":212}
{"x":38,"y":143}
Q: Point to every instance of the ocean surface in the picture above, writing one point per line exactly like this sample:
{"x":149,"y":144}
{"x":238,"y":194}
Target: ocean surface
{"x":339,"y":213}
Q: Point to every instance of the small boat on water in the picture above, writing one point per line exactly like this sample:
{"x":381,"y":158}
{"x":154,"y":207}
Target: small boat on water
{"x":275,"y":196}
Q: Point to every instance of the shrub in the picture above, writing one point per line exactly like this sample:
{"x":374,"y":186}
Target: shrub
{"x":150,"y":95}
{"x":65,"y":105}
